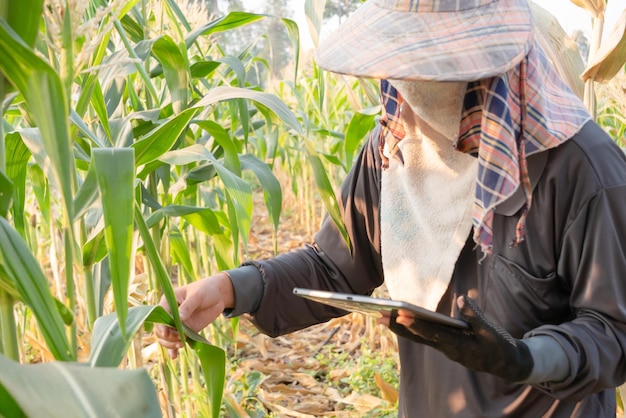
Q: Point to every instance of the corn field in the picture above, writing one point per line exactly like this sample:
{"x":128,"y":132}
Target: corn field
{"x":142,"y":149}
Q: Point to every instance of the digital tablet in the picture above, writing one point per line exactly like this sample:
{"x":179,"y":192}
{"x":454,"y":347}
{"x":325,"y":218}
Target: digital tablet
{"x":375,"y":306}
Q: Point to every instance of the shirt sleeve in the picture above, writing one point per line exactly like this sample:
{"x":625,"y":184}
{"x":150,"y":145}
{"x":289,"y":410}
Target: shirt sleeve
{"x":248,"y":288}
{"x":593,"y":256}
{"x":328,"y":263}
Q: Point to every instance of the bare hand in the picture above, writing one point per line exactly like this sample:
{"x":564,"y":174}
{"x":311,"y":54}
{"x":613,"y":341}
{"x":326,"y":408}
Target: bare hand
{"x":199,"y":304}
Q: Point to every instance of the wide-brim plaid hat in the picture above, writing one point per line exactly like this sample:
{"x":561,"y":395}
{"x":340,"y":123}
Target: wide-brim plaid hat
{"x":442,"y":40}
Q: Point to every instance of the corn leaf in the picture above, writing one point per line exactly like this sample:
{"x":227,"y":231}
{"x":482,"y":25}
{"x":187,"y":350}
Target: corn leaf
{"x":314,"y":10}
{"x":42,"y":88}
{"x":238,"y":191}
{"x":109,"y":346}
{"x":6,"y":196}
{"x":326,"y":192}
{"x":160,"y":272}
{"x":87,"y":193}
{"x":611,"y":56}
{"x":221,"y":136}
{"x":294,"y":35}
{"x":179,"y":249}
{"x":360,"y":125}
{"x":594,"y":7}
{"x":213,"y":361}
{"x":231,"y":21}
{"x":17,"y":163}
{"x":94,"y":250}
{"x":203,"y":219}
{"x":23,"y":18}
{"x":115,"y":173}
{"x":272,"y":192}
{"x":74,"y":390}
{"x":23,"y":269}
{"x":8,"y":407}
{"x":271,"y":101}
{"x":41,"y":188}
{"x":161,"y":139}
{"x":175,"y":69}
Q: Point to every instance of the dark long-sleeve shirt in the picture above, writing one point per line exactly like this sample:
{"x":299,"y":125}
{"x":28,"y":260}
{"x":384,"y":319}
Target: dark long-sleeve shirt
{"x":566,"y":280}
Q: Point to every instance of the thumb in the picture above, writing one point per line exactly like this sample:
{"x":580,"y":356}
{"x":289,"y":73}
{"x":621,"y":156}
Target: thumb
{"x":470,"y":312}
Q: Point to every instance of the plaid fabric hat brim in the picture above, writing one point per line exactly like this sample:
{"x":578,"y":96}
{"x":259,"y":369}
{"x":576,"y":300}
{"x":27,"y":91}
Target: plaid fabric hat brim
{"x":442,"y":40}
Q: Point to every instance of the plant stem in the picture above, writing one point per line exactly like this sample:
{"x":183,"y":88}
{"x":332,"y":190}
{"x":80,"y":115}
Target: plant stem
{"x":68,"y":241}
{"x":90,"y":293}
{"x":8,"y":343}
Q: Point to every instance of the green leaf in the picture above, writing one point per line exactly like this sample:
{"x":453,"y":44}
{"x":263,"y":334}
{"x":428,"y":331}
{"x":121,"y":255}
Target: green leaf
{"x":41,"y":86}
{"x":41,"y":189}
{"x":237,"y":189}
{"x":6,"y":194}
{"x":109,"y":347}
{"x":179,"y":249}
{"x":203,"y":219}
{"x":231,"y":21}
{"x":160,"y":272}
{"x":23,"y":18}
{"x":326,"y":192}
{"x":213,"y":361}
{"x":108,"y":344}
{"x":237,"y":66}
{"x":87,"y":193}
{"x":294,"y":36}
{"x":221,"y":136}
{"x":203,"y":69}
{"x":8,"y":407}
{"x":272,"y":191}
{"x":74,"y":390}
{"x":281,"y":110}
{"x":174,"y":64}
{"x":17,"y":163}
{"x":360,"y":125}
{"x":161,"y":139}
{"x":23,"y":268}
{"x":94,"y":250}
{"x":115,"y":172}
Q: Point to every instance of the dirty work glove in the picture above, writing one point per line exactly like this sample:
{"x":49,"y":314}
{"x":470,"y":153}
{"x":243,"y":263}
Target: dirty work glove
{"x":484,"y":347}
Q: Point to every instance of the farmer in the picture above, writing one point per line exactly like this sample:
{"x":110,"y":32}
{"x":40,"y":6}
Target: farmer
{"x":486,"y":193}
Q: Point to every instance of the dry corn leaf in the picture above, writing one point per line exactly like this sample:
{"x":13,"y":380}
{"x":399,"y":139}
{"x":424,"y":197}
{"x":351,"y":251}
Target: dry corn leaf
{"x":595,"y":7}
{"x":362,"y":403}
{"x":611,"y":55}
{"x":390,"y":393}
{"x":561,"y":49}
{"x":339,"y":374}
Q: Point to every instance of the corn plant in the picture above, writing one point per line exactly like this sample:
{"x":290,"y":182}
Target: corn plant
{"x":132,"y":135}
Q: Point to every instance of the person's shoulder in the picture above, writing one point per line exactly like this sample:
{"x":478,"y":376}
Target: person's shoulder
{"x":591,"y":154}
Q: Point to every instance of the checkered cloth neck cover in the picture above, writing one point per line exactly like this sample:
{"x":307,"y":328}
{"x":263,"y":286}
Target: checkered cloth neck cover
{"x":506,"y":118}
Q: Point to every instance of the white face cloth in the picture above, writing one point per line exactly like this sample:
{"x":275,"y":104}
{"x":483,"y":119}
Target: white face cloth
{"x":426,"y":203}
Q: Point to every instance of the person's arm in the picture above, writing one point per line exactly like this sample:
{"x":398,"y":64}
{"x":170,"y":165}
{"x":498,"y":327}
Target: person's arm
{"x":328,"y":263}
{"x":594,"y":261}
